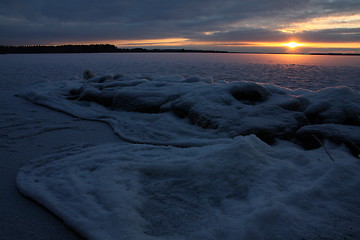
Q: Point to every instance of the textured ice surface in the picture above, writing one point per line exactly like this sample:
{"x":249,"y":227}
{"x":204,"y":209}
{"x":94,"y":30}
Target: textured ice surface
{"x":194,"y":111}
{"x":291,"y":71}
{"x":245,"y":189}
{"x":197,"y":165}
{"x":211,"y":183}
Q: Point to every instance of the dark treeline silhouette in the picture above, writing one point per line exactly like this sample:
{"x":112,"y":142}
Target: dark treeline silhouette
{"x":93,"y":48}
{"x":167,"y":50}
{"x":337,"y":54}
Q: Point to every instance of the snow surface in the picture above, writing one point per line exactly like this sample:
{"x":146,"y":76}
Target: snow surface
{"x":245,"y":189}
{"x":204,"y":160}
{"x":194,"y":111}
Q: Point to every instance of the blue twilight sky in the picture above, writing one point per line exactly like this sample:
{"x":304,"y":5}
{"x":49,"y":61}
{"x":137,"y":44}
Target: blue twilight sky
{"x":246,"y":25}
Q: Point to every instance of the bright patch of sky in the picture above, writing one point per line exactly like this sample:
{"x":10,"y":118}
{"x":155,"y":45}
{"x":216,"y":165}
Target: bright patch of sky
{"x":351,"y":21}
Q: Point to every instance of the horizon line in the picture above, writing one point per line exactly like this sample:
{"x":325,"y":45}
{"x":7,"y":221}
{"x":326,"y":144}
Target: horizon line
{"x":146,"y":49}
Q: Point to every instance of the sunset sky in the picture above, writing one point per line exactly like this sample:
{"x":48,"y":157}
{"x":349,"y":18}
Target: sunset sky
{"x":233,"y":25}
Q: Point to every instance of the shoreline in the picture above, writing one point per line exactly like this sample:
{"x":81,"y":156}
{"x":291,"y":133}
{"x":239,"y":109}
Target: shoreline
{"x":108,"y":48}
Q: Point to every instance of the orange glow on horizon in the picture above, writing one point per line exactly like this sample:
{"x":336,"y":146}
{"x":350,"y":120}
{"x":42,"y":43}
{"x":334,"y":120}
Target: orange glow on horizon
{"x":222,"y":45}
{"x":186,"y":42}
{"x":153,"y":42}
{"x":293,"y":44}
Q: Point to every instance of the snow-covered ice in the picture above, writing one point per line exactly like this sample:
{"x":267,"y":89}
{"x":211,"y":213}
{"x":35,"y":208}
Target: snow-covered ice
{"x":206,"y":156}
{"x":194,"y":111}
{"x":245,"y":189}
{"x":204,"y":159}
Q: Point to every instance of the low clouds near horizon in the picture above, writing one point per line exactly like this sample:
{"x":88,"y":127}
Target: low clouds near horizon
{"x":69,"y":21}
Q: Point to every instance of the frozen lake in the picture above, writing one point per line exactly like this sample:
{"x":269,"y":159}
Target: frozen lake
{"x":196,"y":146}
{"x":292,"y":71}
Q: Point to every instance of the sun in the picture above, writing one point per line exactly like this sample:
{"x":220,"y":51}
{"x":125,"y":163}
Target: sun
{"x":293,"y":44}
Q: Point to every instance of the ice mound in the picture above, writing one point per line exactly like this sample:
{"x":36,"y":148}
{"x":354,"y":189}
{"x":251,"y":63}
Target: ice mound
{"x":334,"y":105}
{"x":202,"y":160}
{"x":245,"y":189}
{"x":179,"y":111}
{"x":337,"y":133}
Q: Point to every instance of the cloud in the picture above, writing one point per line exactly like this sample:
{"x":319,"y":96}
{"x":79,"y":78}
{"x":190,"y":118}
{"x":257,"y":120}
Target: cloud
{"x":53,"y":21}
{"x":331,"y":35}
{"x":245,"y":35}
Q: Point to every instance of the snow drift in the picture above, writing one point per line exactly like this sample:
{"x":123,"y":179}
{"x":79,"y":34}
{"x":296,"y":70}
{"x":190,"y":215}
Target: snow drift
{"x":179,"y":111}
{"x":203,"y":160}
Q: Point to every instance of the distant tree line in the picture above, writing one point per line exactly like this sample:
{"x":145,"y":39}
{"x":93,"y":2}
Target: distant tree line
{"x":168,"y":50}
{"x":92,"y":48}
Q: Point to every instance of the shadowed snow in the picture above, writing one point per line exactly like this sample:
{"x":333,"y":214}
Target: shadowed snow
{"x":202,"y":166}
